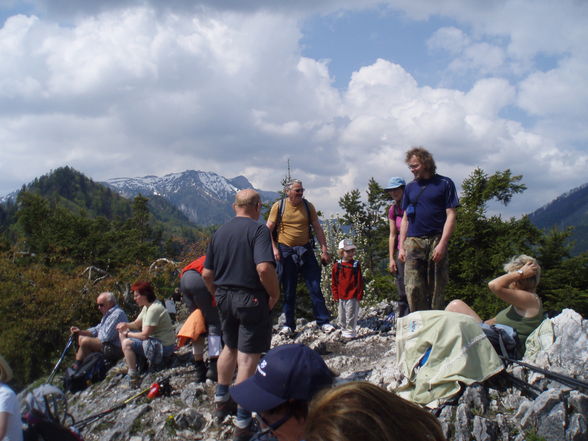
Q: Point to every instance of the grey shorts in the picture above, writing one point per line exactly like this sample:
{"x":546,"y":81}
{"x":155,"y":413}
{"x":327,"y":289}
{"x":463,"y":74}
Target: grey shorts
{"x":245,"y":319}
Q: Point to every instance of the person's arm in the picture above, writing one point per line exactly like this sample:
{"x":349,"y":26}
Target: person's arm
{"x":77,"y":331}
{"x":320,"y":236}
{"x":271,"y":226}
{"x":3,"y":424}
{"x":402,"y":238}
{"x":392,"y":245}
{"x":143,"y":334}
{"x":523,"y":300}
{"x":441,"y":249}
{"x":269,"y":279}
{"x":334,"y":282}
{"x":208,"y":277}
{"x":126,"y":326}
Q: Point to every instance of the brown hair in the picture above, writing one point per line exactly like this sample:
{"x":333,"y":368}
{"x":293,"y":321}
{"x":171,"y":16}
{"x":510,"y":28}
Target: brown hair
{"x":364,"y":411}
{"x":424,"y":157}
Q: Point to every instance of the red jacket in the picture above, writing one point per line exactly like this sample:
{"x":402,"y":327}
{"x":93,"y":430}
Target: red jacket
{"x":346,"y":280}
{"x":196,"y":265}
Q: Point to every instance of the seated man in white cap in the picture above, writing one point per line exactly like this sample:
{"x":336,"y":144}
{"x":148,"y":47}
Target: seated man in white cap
{"x":285,"y":381}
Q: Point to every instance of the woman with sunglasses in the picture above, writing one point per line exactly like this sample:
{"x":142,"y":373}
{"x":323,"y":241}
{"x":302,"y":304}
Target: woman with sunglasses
{"x":285,"y":382}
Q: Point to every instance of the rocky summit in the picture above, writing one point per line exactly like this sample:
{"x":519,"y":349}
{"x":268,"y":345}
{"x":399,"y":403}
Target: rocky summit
{"x":494,"y":410}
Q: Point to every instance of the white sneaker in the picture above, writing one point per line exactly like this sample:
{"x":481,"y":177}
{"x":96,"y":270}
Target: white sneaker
{"x":286,"y":331}
{"x":327,"y":328}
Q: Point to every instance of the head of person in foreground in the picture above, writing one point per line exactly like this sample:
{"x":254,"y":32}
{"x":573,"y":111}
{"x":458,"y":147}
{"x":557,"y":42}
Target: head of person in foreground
{"x":363,"y":411}
{"x":280,"y":391}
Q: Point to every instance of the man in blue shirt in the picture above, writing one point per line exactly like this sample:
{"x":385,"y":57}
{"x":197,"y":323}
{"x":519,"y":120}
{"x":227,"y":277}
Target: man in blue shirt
{"x":429,"y":205}
{"x":103,"y":337}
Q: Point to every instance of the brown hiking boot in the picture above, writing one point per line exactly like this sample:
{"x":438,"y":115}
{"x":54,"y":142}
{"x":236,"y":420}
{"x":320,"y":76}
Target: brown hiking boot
{"x":242,"y":434}
{"x":224,"y":408}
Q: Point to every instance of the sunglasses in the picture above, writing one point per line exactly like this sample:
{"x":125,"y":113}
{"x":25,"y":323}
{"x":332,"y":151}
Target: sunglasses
{"x":100,"y":305}
{"x":274,"y":426}
{"x":298,"y":190}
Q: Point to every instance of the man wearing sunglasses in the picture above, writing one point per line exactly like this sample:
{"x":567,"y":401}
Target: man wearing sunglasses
{"x":285,"y":382}
{"x":103,"y":337}
{"x":291,"y":222}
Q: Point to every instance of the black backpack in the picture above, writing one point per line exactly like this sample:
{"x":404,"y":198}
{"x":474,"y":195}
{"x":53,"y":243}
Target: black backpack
{"x":92,"y":370}
{"x":45,"y":416}
{"x":504,"y":339}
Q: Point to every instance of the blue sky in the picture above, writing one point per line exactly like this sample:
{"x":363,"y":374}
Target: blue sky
{"x":341,"y":88}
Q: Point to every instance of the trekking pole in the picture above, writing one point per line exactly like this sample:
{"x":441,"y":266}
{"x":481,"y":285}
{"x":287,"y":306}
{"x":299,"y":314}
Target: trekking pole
{"x":89,"y":420}
{"x":560,"y":378}
{"x":67,"y":346}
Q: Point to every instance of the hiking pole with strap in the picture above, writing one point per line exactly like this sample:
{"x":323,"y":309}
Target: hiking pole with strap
{"x":560,"y":378}
{"x":67,"y":346}
{"x":164,"y":385}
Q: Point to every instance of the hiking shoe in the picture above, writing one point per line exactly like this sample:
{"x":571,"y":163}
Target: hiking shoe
{"x":212,"y":373}
{"x":224,"y":408}
{"x":119,"y":370}
{"x":286,"y":331}
{"x":327,"y":328}
{"x":134,"y":381}
{"x":242,"y":434}
{"x":200,"y":368}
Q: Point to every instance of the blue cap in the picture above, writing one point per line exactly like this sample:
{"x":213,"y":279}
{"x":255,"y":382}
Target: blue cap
{"x":287,"y":372}
{"x":394,"y":182}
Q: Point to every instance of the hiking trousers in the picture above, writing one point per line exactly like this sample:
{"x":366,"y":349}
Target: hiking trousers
{"x":295,"y":260}
{"x":424,"y":280}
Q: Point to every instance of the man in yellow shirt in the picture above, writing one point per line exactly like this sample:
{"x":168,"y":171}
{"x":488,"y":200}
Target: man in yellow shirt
{"x":291,"y":222}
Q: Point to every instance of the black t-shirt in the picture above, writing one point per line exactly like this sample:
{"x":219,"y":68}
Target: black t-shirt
{"x":236,"y":249}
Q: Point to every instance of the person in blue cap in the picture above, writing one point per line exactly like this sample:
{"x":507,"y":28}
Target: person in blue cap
{"x":285,"y":382}
{"x":395,"y":189}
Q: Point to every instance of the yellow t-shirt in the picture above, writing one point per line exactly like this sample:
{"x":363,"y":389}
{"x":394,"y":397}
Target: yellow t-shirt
{"x":293,"y":228}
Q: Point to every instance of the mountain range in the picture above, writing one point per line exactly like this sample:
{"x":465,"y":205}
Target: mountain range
{"x":568,"y":210}
{"x":205,"y":198}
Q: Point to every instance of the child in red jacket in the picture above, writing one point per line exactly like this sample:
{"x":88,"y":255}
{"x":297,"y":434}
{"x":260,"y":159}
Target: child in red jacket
{"x":347,"y":287}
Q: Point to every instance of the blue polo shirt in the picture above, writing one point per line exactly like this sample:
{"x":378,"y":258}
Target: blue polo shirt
{"x":438,"y":195}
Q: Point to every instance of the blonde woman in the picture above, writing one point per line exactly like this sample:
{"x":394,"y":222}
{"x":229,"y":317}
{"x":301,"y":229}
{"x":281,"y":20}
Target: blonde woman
{"x":517,"y":288}
{"x":10,"y":425}
{"x":363,"y":411}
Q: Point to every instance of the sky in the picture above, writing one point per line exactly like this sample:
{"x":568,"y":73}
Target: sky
{"x":339,"y":88}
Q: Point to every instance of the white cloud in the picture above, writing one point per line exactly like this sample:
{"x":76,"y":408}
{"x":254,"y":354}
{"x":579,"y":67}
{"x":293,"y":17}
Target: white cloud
{"x":123,"y":90}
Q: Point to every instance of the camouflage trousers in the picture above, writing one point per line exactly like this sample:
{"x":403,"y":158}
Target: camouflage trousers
{"x":424,"y":280}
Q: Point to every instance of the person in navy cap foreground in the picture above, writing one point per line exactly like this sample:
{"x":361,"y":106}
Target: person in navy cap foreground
{"x":285,"y":381}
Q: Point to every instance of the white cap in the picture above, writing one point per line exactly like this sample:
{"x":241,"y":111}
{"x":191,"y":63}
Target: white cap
{"x":346,"y":244}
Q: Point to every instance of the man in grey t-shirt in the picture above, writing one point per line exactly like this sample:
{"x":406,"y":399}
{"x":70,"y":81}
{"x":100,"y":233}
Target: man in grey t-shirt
{"x":240,"y":271}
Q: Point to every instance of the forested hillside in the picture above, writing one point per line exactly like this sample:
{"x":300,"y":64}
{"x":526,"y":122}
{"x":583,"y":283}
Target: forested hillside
{"x":569,"y":210}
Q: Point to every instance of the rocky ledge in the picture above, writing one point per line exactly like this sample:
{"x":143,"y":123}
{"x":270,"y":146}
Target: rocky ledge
{"x":495,"y":410}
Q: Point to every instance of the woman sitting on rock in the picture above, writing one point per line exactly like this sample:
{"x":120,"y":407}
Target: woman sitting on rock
{"x":517,"y":287}
{"x":151,"y":336}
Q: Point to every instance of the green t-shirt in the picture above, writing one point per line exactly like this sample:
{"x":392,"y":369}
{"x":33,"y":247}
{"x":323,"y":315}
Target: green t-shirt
{"x":523,"y":325}
{"x":156,"y":315}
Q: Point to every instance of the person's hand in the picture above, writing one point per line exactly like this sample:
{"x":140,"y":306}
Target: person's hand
{"x":276,"y":253}
{"x":393,"y":268}
{"x":439,"y":252}
{"x":529,"y":269}
{"x":402,"y":255}
{"x":122,"y":327}
{"x":325,"y":258}
{"x":74,"y":330}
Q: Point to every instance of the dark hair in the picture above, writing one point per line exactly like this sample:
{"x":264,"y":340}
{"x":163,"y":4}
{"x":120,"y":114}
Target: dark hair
{"x":361,"y":410}
{"x":297,"y":408}
{"x":145,"y":289}
{"x":424,"y":157}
